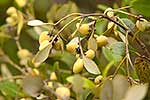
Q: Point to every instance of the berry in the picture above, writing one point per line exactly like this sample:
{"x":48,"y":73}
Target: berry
{"x":84,"y":28}
{"x":44,"y":44}
{"x":71,"y":47}
{"x":44,"y":36}
{"x":63,"y":93}
{"x":23,"y":53}
{"x":11,"y":10}
{"x":101,"y":40}
{"x":78,"y":65}
{"x":109,"y":12}
{"x":98,"y":79}
{"x":90,"y":54}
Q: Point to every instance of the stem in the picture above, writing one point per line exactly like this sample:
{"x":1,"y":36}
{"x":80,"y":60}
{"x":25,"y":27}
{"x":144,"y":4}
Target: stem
{"x":12,"y":77}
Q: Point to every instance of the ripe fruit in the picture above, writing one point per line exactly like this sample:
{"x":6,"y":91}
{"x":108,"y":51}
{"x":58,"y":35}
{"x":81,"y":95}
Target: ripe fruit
{"x":11,"y":10}
{"x":63,"y":93}
{"x":142,"y":24}
{"x":84,"y":28}
{"x":109,"y":12}
{"x":23,"y":53}
{"x":78,"y":65}
{"x":44,"y":36}
{"x":71,"y":47}
{"x":44,"y":44}
{"x":90,"y":54}
{"x":53,"y":76}
{"x":101,"y":40}
{"x":98,"y":79}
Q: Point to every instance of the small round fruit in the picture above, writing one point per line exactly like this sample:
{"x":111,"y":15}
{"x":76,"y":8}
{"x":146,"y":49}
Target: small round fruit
{"x":78,"y":65}
{"x":71,"y":47}
{"x":101,"y":40}
{"x":11,"y":21}
{"x":84,"y":28}
{"x":90,"y":54}
{"x":21,"y":3}
{"x":98,"y":79}
{"x":44,"y":36}
{"x":11,"y":10}
{"x":23,"y":53}
{"x":63,"y":93}
{"x":14,"y":15}
{"x":44,"y":44}
{"x":109,"y":12}
{"x":53,"y":76}
{"x":50,"y":84}
{"x":142,"y":24}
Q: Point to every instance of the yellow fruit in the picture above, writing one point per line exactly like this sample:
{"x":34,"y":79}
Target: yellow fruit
{"x":23,"y":53}
{"x":90,"y":54}
{"x":44,"y":44}
{"x":84,"y":28}
{"x":98,"y":79}
{"x":71,"y":47}
{"x":101,"y":40}
{"x":44,"y":36}
{"x":109,"y":12}
{"x":53,"y":76}
{"x":11,"y":10}
{"x":78,"y":65}
{"x":142,"y":24}
{"x":62,"y":93}
{"x":35,"y":72}
{"x":57,"y":45}
{"x":50,"y":84}
{"x":11,"y":21}
{"x":14,"y":15}
{"x":21,"y":3}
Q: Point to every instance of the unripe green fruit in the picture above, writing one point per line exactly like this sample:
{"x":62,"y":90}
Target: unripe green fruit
{"x":11,"y":10}
{"x":44,"y":44}
{"x":62,"y":92}
{"x":101,"y":40}
{"x":142,"y":25}
{"x":84,"y":28}
{"x":98,"y":79}
{"x":44,"y":36}
{"x":23,"y":53}
{"x":90,"y":54}
{"x":78,"y":65}
{"x":109,"y":12}
{"x":71,"y":47}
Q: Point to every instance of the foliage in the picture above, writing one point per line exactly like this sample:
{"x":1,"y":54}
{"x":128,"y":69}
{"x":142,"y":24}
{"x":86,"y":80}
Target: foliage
{"x":60,"y":53}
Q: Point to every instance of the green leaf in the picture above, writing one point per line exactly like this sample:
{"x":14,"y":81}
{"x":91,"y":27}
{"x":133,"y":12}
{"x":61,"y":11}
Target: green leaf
{"x":86,"y":82}
{"x":115,"y":51}
{"x":121,"y":82}
{"x":42,"y":55}
{"x":142,"y":6}
{"x":90,"y":66}
{"x":107,"y":91}
{"x":9,"y":88}
{"x":136,"y":92}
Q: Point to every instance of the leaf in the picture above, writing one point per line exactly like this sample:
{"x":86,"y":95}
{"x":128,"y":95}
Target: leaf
{"x":114,"y":51}
{"x":92,"y":44}
{"x":32,"y":85}
{"x":107,"y":91}
{"x":35,"y":23}
{"x":90,"y":66}
{"x":121,"y":82}
{"x":9,"y":88}
{"x":42,"y":55}
{"x":142,"y":6}
{"x":86,"y":82}
{"x":136,"y":92}
{"x":20,"y":22}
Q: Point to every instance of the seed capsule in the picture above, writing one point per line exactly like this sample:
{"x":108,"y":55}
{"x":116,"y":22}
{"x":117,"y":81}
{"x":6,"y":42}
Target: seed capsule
{"x":44,"y":44}
{"x":84,"y":28}
{"x":90,"y":54}
{"x":78,"y":65}
{"x":101,"y":40}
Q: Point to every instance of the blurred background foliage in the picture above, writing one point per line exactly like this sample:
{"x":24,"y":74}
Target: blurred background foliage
{"x":52,"y":11}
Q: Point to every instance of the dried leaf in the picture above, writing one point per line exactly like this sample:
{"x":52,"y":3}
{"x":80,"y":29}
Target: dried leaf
{"x":92,"y":44}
